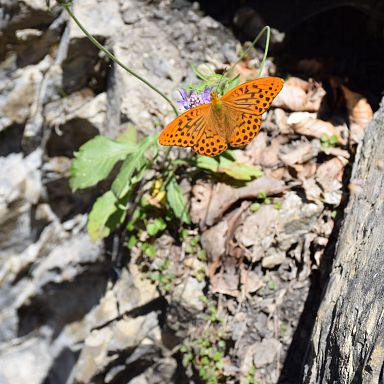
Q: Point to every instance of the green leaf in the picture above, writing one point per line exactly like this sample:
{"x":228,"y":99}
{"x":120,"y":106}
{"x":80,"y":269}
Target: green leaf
{"x":156,"y":226}
{"x":95,"y":160}
{"x":239,"y":171}
{"x":134,"y":162}
{"x":101,"y":211}
{"x":208,"y":163}
{"x":277,"y":203}
{"x":129,"y":135}
{"x":333,"y":140}
{"x":217,"y":356}
{"x":132,"y":241}
{"x":255,"y":207}
{"x":149,"y":250}
{"x":262,"y":195}
{"x":177,"y":201}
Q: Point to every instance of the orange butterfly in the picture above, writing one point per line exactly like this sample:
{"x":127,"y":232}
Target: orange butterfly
{"x":233,"y":119}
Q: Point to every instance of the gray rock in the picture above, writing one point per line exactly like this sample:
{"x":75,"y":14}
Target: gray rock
{"x":20,"y":187}
{"x":124,"y":334}
{"x":17,"y":96}
{"x":189,"y":293}
{"x":25,"y":362}
{"x":266,"y":352}
{"x":73,"y":121}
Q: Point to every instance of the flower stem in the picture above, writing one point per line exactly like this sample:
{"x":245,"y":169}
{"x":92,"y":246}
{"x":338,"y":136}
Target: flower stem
{"x":116,"y":60}
{"x":266,"y":29}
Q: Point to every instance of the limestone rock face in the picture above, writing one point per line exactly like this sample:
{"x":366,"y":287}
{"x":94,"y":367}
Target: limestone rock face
{"x":60,"y":312}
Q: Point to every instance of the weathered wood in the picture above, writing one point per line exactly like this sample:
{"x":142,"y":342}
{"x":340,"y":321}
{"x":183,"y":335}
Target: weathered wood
{"x":347,"y":344}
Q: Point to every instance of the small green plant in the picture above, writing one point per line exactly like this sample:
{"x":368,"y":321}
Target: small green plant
{"x":263,"y":199}
{"x":327,"y":141}
{"x":206,"y":354}
{"x":162,"y":275}
{"x":250,"y":377}
{"x":272,"y":285}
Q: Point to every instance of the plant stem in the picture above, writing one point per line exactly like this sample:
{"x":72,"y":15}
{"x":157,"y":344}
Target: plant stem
{"x":116,"y":60}
{"x":268,"y":30}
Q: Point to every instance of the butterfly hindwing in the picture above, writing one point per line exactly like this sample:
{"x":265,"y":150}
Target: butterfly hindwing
{"x":210,"y":144}
{"x":187,"y":128}
{"x":253,"y":96}
{"x":246,"y":128}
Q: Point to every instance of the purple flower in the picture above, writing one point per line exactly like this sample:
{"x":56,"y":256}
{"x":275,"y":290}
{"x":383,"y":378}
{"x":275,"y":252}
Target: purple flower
{"x":194,"y":99}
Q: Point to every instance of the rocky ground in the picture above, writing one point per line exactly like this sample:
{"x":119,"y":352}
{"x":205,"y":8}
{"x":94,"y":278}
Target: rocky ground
{"x":240,"y":274}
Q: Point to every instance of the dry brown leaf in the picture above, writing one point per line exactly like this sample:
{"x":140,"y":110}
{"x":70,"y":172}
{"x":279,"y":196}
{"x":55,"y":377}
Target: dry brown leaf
{"x":299,"y":152}
{"x":359,"y":110}
{"x":309,"y":126}
{"x":269,"y":156}
{"x":336,"y":151}
{"x":223,"y":195}
{"x":306,"y":170}
{"x":251,"y":281}
{"x":281,"y":119}
{"x":360,"y":113}
{"x":226,"y":280}
{"x":329,"y":176}
{"x":330,"y":171}
{"x":278,"y":173}
{"x":300,"y":95}
{"x":217,"y":240}
{"x":312,"y":190}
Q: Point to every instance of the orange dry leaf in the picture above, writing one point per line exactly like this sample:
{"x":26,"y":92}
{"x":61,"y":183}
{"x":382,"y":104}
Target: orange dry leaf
{"x":359,"y":113}
{"x":359,"y":110}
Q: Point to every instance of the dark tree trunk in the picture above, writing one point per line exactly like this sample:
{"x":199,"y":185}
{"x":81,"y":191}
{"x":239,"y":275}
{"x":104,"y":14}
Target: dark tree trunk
{"x":347,"y":344}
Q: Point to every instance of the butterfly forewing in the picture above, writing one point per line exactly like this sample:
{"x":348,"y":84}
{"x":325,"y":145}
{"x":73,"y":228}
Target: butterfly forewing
{"x":186,"y":129}
{"x":254,"y":96}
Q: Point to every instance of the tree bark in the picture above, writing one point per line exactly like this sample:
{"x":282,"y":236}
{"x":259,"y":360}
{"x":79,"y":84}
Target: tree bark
{"x":347,"y":343}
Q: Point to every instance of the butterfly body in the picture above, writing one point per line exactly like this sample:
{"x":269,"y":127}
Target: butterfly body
{"x":233,"y":119}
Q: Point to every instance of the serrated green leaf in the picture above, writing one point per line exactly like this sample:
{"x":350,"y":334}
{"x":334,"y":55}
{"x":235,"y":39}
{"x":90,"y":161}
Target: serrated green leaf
{"x":208,"y":163}
{"x":177,"y":201}
{"x":95,"y":160}
{"x":239,"y":171}
{"x":102,"y":210}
